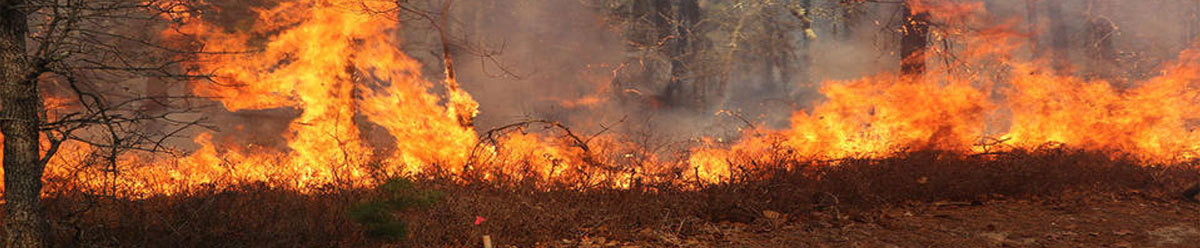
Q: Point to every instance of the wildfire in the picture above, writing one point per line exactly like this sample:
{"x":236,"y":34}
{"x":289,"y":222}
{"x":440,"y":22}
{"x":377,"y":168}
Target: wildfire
{"x":340,"y":65}
{"x":333,"y":60}
{"x":1022,"y":105}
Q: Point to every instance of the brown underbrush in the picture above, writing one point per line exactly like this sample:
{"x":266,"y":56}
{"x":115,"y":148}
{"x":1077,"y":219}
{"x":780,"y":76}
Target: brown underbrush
{"x":530,"y":213}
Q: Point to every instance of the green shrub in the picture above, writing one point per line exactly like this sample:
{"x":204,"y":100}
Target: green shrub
{"x":396,"y":195}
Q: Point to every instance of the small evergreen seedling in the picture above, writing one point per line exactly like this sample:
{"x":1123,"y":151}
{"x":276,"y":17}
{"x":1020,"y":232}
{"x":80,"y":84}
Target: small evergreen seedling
{"x":395,"y":195}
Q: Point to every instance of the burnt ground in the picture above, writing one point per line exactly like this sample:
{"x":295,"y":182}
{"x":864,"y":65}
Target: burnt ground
{"x":1037,"y":198}
{"x":1093,"y":221}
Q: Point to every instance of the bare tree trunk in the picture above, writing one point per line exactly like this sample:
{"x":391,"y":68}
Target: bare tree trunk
{"x":849,"y":17}
{"x":1101,"y":52}
{"x":914,"y":42}
{"x":648,"y":27}
{"x":1059,"y":44}
{"x":805,"y":59}
{"x":1191,"y":24}
{"x":777,"y":75}
{"x":19,"y":103}
{"x":677,"y":91}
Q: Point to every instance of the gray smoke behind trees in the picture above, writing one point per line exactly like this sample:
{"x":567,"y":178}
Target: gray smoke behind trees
{"x":571,"y":61}
{"x":608,"y":64}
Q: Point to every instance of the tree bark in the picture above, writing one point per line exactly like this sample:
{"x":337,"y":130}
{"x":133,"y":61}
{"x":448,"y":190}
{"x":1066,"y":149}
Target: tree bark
{"x":805,"y":59}
{"x":649,"y":26}
{"x":776,"y":75}
{"x":1101,"y":52}
{"x":677,"y":91}
{"x":1191,"y":23}
{"x":1059,"y":44}
{"x":19,"y":103}
{"x":849,"y":18}
{"x":914,"y":42}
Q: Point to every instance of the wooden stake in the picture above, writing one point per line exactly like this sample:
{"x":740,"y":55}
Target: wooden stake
{"x":487,"y":241}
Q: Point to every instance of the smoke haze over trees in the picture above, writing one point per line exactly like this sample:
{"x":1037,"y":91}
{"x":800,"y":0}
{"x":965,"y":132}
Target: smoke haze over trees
{"x":591,"y":93}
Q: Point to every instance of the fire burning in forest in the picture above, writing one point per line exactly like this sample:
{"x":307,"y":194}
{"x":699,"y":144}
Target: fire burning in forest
{"x":339,"y":63}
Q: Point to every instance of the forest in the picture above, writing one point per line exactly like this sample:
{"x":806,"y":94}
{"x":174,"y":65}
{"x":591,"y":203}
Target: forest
{"x":600,"y":123}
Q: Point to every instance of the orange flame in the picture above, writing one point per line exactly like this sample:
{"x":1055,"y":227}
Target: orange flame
{"x":340,"y":65}
{"x":877,"y":115}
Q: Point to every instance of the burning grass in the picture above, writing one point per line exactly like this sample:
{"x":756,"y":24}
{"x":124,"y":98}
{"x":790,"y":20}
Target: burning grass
{"x":540,"y":186}
{"x":358,"y":77}
{"x":525,"y":212}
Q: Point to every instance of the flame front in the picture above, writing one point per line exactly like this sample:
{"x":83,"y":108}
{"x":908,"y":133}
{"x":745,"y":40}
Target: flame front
{"x":956,"y":107}
{"x":331,"y":60}
{"x":339,"y":65}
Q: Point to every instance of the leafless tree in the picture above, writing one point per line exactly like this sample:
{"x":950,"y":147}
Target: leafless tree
{"x":1100,"y":49}
{"x":1059,"y":32}
{"x":915,"y":41}
{"x":88,"y":57}
{"x":1191,"y":23}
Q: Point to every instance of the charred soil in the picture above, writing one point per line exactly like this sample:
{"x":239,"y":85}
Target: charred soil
{"x":1036,"y":198}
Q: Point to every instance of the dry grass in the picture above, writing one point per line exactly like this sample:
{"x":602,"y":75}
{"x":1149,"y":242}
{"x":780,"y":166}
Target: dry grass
{"x":521,"y":214}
